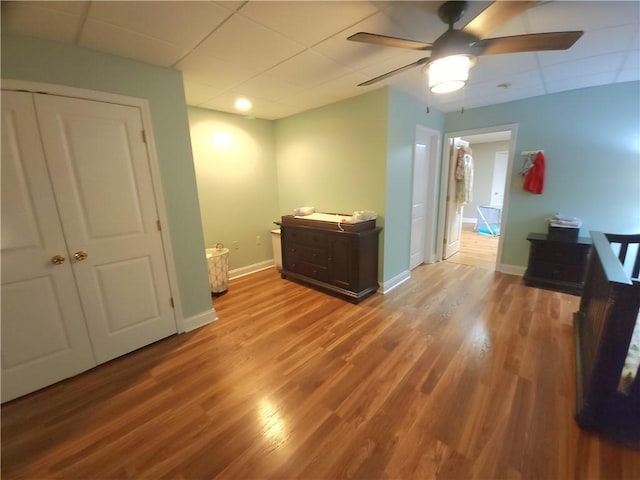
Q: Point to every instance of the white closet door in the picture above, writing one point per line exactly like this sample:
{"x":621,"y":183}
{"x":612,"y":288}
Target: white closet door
{"x":44,"y":338}
{"x":101,"y":177}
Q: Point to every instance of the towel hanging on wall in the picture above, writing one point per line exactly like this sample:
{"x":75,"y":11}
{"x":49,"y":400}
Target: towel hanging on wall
{"x":534,"y":179}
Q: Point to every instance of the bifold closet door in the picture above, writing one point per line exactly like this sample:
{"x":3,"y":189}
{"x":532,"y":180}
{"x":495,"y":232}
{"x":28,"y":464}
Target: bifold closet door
{"x":44,"y":337}
{"x":101,"y":178}
{"x":84,"y":278}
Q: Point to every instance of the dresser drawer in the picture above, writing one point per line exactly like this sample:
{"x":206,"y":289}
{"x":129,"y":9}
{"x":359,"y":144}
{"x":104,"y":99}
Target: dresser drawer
{"x":557,"y":253}
{"x":317,"y":256}
{"x":307,"y":269}
{"x":308,"y":238}
{"x":558,"y":271}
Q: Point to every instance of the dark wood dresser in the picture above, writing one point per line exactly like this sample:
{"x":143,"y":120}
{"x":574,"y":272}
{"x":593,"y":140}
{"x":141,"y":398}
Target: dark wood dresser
{"x":339,"y":258}
{"x":557,"y":264}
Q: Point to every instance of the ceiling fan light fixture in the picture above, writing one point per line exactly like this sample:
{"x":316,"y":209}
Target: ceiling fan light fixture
{"x":448,"y":74}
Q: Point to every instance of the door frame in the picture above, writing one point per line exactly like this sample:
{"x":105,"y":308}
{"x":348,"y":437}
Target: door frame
{"x":431,"y":200}
{"x":143,"y":105}
{"x":444,"y":176}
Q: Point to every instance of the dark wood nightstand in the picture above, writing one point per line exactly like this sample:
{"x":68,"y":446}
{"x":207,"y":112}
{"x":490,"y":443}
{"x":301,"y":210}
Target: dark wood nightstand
{"x":556,"y":264}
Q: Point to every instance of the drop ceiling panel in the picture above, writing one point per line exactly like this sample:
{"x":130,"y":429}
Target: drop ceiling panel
{"x":216,"y":73}
{"x":266,"y":86}
{"x":74,"y":8}
{"x":584,"y":67}
{"x":591,"y":80}
{"x":269,"y":110}
{"x":307,"y":22}
{"x":196,"y":92}
{"x":597,"y":42}
{"x":308,"y":68}
{"x":35,"y":21}
{"x":240,"y":41}
{"x":180,"y":23}
{"x":127,"y":43}
{"x":357,"y":55}
{"x":587,"y":15}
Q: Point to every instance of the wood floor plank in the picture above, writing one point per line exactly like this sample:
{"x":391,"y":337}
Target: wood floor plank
{"x":459,"y":373}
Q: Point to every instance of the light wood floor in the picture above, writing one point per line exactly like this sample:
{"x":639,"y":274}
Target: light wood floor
{"x":459,"y":373}
{"x":476,"y":249}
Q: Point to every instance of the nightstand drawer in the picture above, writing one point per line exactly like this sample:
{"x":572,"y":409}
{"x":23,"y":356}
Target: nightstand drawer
{"x":558,"y":271}
{"x":557,"y":253}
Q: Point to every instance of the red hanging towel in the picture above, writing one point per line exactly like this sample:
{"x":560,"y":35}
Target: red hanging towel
{"x":534,"y":180}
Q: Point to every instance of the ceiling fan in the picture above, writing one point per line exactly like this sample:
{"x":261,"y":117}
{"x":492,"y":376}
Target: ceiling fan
{"x":455,"y":51}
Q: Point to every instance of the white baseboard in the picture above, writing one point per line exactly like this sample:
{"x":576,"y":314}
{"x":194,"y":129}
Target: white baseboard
{"x":256,"y":267}
{"x":395,"y":281}
{"x":199,"y":320}
{"x":511,"y":269}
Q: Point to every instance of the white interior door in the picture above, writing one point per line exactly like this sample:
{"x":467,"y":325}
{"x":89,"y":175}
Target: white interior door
{"x":418,"y":209}
{"x":44,"y":338}
{"x":499,"y":177}
{"x":453,"y":216}
{"x":101,"y":178}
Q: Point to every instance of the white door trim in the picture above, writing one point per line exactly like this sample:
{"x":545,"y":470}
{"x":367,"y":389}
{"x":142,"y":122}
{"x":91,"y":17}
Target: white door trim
{"x":444,"y":175}
{"x":431,"y":202}
{"x":143,"y":105}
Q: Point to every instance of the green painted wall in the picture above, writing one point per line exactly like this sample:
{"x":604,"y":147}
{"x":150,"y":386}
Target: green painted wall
{"x":235,"y":166}
{"x":591,"y":139}
{"x":405,"y":112}
{"x":333,"y":158}
{"x":49,"y":62}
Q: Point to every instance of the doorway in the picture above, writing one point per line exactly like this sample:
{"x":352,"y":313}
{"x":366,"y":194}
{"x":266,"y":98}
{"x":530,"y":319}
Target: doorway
{"x":471,"y":225}
{"x":424,"y":197}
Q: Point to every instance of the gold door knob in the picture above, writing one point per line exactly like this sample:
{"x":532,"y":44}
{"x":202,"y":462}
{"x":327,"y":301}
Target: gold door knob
{"x":80,"y":256}
{"x":57,"y":259}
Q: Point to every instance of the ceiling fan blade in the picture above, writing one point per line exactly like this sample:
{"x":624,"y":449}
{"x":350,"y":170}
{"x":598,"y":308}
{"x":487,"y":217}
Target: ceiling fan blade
{"x":526,"y":43}
{"x":417,"y":63}
{"x":496,"y":14}
{"x":388,"y":41}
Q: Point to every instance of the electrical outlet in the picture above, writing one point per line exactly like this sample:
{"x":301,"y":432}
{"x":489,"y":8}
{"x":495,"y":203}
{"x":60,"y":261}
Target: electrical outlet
{"x":236,"y":245}
{"x":258,"y":240}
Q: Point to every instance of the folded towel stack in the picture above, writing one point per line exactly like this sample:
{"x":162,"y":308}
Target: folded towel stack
{"x":564,"y":221}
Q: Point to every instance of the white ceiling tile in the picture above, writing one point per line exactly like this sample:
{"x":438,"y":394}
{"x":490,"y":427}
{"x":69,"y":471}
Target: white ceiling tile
{"x":583,"y":81}
{"x":581,"y":15}
{"x":230,"y":4}
{"x":628,"y":75}
{"x":357,"y":55}
{"x":345,"y":86}
{"x":398,"y":61}
{"x":214,"y":72}
{"x":181,"y":23}
{"x":243,"y":42}
{"x":119,"y":41}
{"x":583,"y":67}
{"x":500,"y":67}
{"x":196,"y":92}
{"x":593,"y":43}
{"x":268,"y":110}
{"x":266,"y":86}
{"x":307,"y":22}
{"x":22,"y":18}
{"x":73,"y":7}
{"x":308,"y":68}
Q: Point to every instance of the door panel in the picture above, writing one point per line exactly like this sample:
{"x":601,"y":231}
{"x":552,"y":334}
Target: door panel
{"x":453,"y":222}
{"x":101,"y":177}
{"x":418,"y":210}
{"x":44,"y":338}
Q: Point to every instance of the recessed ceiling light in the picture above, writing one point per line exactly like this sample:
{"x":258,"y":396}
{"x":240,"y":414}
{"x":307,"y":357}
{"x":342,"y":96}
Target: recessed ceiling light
{"x":243,"y":104}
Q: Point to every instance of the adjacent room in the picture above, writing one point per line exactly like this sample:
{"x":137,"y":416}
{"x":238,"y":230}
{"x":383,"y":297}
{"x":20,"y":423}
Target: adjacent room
{"x":246,"y":239}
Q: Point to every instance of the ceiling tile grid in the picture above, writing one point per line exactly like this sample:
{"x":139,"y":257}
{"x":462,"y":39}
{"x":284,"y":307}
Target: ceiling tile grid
{"x":288,"y":56}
